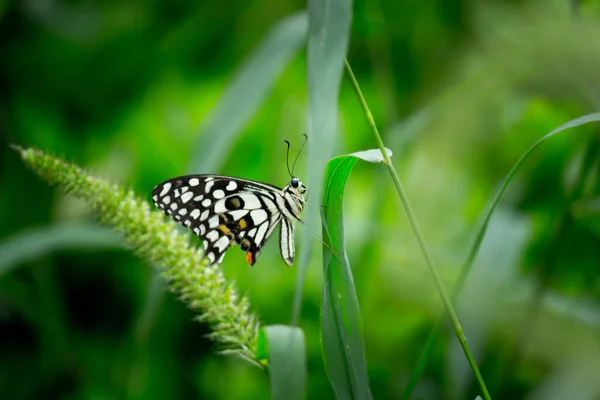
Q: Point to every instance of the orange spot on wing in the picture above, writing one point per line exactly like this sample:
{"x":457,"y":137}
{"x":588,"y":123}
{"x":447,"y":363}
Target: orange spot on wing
{"x":224,"y":229}
{"x":249,"y":257}
{"x":242,"y":224}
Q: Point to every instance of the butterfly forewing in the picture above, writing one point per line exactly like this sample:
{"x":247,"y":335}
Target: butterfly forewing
{"x":224,"y":211}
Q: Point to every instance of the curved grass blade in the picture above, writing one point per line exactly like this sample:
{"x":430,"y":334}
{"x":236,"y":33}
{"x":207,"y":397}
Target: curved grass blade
{"x":460,"y":280}
{"x":283,"y":346}
{"x":34,"y":243}
{"x":341,"y":322}
{"x":328,"y":37}
{"x":458,"y":331}
{"x":247,"y":91}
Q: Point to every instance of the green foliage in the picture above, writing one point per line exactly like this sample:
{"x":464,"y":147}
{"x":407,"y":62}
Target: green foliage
{"x":35,"y":243}
{"x":327,"y":43}
{"x":139,"y":92}
{"x":248,"y":90}
{"x":285,"y":350}
{"x":202,"y":287}
{"x":479,"y":239}
{"x":341,"y":322}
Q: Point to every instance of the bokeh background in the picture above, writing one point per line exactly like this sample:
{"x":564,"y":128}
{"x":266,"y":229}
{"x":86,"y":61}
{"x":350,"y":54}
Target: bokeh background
{"x":459,"y":89}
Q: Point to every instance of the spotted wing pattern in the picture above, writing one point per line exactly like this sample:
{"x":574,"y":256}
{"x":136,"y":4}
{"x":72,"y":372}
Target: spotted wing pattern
{"x":224,"y":211}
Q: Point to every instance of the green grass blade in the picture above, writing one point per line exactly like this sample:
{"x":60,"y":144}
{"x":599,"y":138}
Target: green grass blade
{"x":341,"y":322}
{"x":414,"y":223}
{"x":284,"y":348}
{"x":247,"y":91}
{"x":37,"y":242}
{"x":422,"y":362}
{"x":328,"y":37}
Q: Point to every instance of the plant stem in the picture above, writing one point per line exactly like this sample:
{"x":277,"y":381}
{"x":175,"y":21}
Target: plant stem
{"x":421,"y":241}
{"x":466,"y":267}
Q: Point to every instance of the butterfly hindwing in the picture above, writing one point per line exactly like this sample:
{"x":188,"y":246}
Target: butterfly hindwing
{"x":222,"y":211}
{"x":286,"y":241}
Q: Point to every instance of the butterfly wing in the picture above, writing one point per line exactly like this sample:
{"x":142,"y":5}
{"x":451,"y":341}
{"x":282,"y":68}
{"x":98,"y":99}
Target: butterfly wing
{"x":222,"y":211}
{"x":286,"y":241}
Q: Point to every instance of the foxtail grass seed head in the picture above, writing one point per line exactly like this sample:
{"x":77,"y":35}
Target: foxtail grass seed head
{"x":156,"y":241}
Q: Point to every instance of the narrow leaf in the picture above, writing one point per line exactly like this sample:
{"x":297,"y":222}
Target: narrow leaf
{"x":328,"y":36}
{"x":285,"y":349}
{"x":341,"y":322}
{"x":37,"y":242}
{"x":247,"y":91}
{"x":465,"y":269}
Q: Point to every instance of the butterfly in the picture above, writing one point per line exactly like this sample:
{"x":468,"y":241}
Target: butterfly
{"x":224,"y":211}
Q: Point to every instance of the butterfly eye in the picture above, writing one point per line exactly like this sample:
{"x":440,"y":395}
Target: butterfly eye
{"x":295,"y":182}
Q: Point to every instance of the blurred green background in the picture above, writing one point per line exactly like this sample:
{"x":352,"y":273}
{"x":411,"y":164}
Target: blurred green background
{"x":459,"y":89}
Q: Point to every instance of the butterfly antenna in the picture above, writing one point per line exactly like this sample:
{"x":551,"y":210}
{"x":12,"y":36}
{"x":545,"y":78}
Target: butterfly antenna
{"x":287,"y":158}
{"x":335,"y":253}
{"x":299,"y":151}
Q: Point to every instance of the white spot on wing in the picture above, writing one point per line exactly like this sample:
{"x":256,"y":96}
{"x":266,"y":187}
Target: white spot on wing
{"x":211,"y":257}
{"x":165,"y":189}
{"x":213,"y":222}
{"x":195,"y":213}
{"x":212,"y":235}
{"x":258,"y":216}
{"x":218,"y":194}
{"x":206,"y":202}
{"x":194,"y":182}
{"x":252,"y":232}
{"x":198,"y":198}
{"x":154,"y":198}
{"x":237,"y":214}
{"x":209,"y":185}
{"x":269,"y":203}
{"x":196,"y":231}
{"x":166,"y":199}
{"x":204,"y":215}
{"x":222,"y":243}
{"x":251,"y":202}
{"x":220,"y":207}
{"x":231,"y":186}
{"x":173,"y":206}
{"x":183,"y":211}
{"x":202,"y":229}
{"x":260,"y":235}
{"x":186,"y":196}
{"x":184,"y":189}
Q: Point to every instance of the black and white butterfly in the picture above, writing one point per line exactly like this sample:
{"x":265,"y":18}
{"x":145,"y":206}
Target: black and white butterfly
{"x":224,"y":211}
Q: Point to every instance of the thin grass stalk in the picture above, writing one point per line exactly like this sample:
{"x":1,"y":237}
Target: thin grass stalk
{"x":421,"y":241}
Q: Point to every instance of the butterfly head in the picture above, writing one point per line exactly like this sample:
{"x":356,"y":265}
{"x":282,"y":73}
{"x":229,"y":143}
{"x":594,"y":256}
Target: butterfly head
{"x":296,"y":190}
{"x":297,"y":186}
